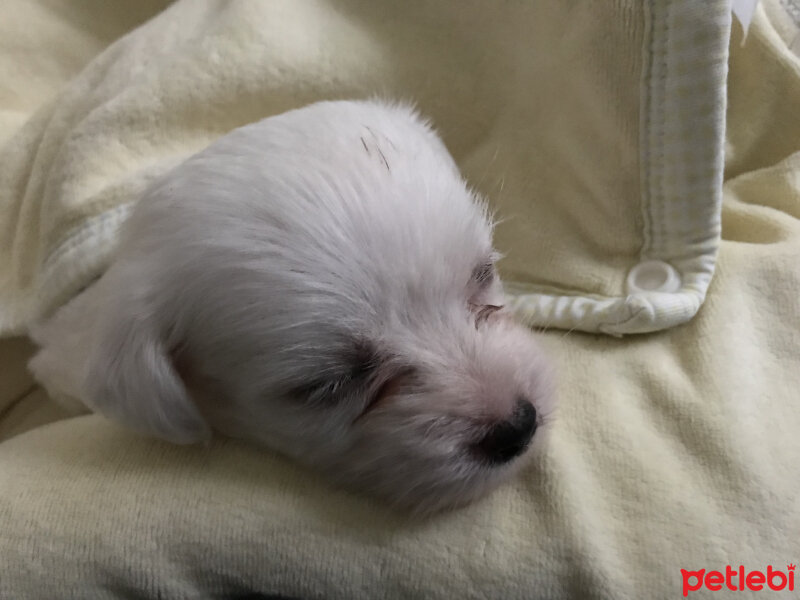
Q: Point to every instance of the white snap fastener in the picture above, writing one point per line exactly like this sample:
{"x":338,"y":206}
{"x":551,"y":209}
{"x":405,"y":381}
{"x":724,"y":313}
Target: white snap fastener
{"x":653,"y":276}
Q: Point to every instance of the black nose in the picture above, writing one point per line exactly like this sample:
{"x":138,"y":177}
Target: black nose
{"x":509,"y":439}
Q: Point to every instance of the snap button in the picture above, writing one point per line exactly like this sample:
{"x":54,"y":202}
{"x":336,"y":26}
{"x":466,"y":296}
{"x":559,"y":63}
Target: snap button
{"x":653,"y":276}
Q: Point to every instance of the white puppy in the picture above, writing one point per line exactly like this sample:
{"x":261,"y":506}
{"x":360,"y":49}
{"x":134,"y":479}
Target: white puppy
{"x":322,"y":283}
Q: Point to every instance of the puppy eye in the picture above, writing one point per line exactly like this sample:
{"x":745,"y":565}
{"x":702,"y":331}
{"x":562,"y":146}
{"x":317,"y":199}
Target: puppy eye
{"x":362,"y":361}
{"x":405,"y":377}
{"x":482,"y":313}
{"x":483,"y":274}
{"x":320,"y":392}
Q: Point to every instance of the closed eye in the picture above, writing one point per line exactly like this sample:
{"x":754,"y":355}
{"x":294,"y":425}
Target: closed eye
{"x":321,"y":392}
{"x":387,"y":388}
{"x":362,"y":363}
{"x":482,"y":313}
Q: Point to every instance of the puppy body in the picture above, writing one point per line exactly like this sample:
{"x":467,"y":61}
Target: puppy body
{"x":321,"y":282}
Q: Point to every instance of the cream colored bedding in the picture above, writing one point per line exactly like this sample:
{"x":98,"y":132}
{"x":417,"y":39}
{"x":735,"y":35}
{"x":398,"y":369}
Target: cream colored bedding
{"x":674,"y":450}
{"x":597,"y":132}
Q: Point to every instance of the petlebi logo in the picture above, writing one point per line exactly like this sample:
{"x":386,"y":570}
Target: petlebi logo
{"x":739,"y":579}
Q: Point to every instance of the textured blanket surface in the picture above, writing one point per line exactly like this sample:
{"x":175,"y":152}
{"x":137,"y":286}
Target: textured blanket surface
{"x":674,"y":450}
{"x":596,"y":132}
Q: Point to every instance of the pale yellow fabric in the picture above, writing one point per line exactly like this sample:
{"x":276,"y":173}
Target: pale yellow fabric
{"x":672,"y":450}
{"x":45,"y":43}
{"x":597,"y":135}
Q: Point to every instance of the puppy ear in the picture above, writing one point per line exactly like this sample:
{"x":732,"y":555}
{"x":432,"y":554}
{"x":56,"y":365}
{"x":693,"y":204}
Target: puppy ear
{"x":131,"y":378}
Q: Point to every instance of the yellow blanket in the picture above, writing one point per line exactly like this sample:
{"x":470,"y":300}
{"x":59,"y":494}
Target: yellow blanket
{"x":676,"y":450}
{"x":597,"y":133}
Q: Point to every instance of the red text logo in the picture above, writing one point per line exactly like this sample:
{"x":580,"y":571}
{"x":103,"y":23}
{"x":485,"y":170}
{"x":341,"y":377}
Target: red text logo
{"x":738,"y":580}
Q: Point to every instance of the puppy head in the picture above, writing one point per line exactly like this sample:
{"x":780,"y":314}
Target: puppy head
{"x":323,"y":283}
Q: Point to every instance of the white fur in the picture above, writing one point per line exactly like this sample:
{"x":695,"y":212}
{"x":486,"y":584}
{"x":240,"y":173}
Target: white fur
{"x":253,"y":280}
